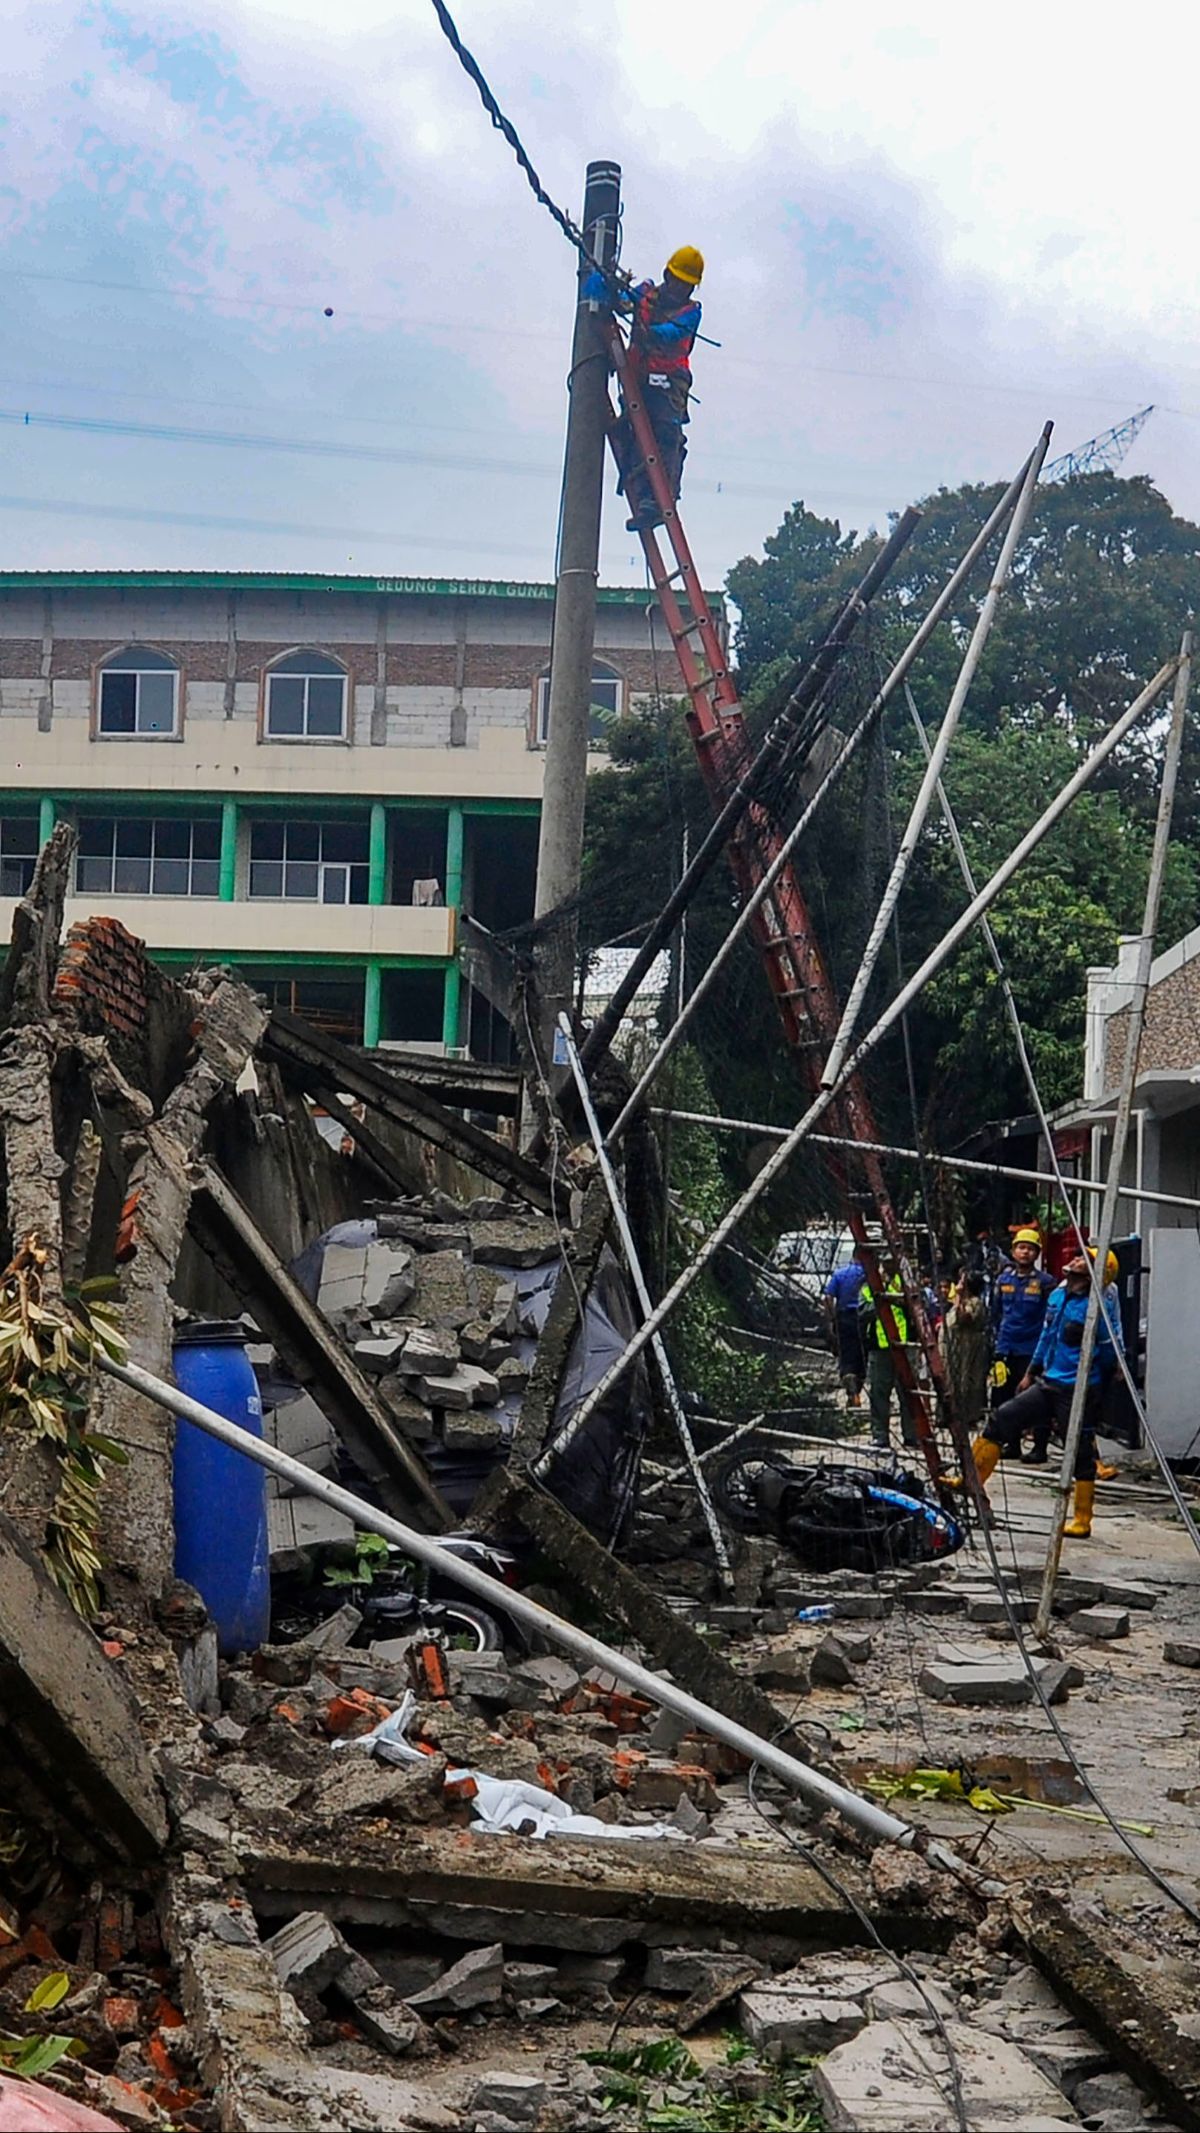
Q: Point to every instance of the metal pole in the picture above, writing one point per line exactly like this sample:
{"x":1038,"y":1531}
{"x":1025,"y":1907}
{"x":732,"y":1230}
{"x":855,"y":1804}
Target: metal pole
{"x":1092,"y":1186}
{"x":874,"y":1822}
{"x":1097,"y":1298}
{"x":913,"y":1155}
{"x":891,"y":1014}
{"x":644,"y":1299}
{"x":774,"y":752}
{"x":865,"y":727}
{"x":929,"y":783}
{"x":560,"y":833}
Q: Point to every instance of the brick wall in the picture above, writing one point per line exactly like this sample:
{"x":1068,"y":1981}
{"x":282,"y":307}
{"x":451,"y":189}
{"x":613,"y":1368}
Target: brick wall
{"x":107,"y":986}
{"x":486,"y":666}
{"x":1171,"y":1039}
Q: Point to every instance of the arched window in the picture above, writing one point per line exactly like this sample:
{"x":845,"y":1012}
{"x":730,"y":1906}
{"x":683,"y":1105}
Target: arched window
{"x":306,"y":699}
{"x":608,"y":703}
{"x":138,"y":695}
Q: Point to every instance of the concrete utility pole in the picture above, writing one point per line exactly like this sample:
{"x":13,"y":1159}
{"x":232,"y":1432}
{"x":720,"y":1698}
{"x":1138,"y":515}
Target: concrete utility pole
{"x":560,"y":839}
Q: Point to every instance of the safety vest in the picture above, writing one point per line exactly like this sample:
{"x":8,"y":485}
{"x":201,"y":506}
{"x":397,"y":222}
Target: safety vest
{"x":895,"y":1289}
{"x":671,"y":360}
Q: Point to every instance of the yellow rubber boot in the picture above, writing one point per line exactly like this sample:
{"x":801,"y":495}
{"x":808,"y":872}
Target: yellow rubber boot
{"x":986,"y":1455}
{"x":1079,"y":1528}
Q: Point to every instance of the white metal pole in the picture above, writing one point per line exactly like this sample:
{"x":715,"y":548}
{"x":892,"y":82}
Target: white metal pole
{"x":874,"y":1822}
{"x":933,"y":770}
{"x":850,"y":747}
{"x":913,"y":1155}
{"x":1098,"y":1299}
{"x":644,"y":1298}
{"x":800,"y":1132}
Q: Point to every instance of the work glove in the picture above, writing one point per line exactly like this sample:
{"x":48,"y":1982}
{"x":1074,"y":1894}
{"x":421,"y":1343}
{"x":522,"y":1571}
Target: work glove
{"x":998,"y":1374}
{"x":596,"y":289}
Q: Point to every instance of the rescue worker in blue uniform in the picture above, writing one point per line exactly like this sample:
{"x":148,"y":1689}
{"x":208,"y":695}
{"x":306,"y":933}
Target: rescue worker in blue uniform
{"x":1019,"y":1296}
{"x":1044,"y":1393}
{"x":841,"y":1297}
{"x":665,"y":319}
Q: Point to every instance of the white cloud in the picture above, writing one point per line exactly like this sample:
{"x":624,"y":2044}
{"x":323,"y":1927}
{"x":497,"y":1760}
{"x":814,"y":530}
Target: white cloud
{"x":925,"y":230}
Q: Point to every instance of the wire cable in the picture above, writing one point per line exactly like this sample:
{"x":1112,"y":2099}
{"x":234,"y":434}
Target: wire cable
{"x":470,"y":65}
{"x":837,"y":1885}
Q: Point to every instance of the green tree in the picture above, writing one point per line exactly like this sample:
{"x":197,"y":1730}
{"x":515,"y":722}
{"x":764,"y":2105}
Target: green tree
{"x":1105,"y":579}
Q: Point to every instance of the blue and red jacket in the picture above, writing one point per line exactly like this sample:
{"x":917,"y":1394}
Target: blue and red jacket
{"x":1019,"y":1307}
{"x":1057,"y":1351}
{"x":662,"y":341}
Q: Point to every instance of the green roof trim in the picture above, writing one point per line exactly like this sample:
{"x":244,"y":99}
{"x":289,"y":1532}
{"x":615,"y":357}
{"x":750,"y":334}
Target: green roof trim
{"x":301,"y":581}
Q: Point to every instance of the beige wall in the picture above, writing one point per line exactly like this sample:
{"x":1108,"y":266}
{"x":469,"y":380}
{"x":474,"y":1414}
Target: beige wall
{"x":227,"y":759}
{"x":266,"y":927}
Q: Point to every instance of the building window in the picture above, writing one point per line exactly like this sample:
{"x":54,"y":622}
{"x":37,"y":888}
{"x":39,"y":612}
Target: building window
{"x":18,"y":853}
{"x":608,"y":702}
{"x":148,"y":856}
{"x":306,"y":699}
{"x":321,"y":862}
{"x":138,"y":695}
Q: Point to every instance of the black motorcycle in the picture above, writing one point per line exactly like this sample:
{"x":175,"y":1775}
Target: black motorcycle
{"x":397,"y":1597}
{"x":833,"y":1517}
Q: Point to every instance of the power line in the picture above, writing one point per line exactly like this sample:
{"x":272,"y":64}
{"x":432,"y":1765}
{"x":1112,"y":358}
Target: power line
{"x":329,"y":448}
{"x":570,"y":230}
{"x":496,"y":329}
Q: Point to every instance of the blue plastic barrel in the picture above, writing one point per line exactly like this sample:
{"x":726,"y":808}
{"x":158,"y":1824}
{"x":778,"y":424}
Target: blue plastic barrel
{"x":221,"y":1496}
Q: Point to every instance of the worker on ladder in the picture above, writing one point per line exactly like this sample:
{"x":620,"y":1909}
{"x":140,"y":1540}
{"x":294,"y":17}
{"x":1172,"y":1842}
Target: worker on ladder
{"x":664,"y":322}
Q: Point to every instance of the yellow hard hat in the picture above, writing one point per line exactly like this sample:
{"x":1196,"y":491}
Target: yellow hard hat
{"x":1111,"y":1265}
{"x":1028,"y":1236}
{"x":686,"y":264}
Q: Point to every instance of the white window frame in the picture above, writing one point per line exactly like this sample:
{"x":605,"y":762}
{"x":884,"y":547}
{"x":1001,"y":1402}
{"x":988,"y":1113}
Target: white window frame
{"x":290,"y":667}
{"x":152,"y":858}
{"x":323,"y":866}
{"x":124,"y":661}
{"x":602,"y":674}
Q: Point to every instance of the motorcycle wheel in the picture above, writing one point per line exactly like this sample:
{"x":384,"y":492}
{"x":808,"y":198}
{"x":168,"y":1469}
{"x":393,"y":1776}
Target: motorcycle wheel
{"x":734,"y":1483}
{"x":466,"y":1629}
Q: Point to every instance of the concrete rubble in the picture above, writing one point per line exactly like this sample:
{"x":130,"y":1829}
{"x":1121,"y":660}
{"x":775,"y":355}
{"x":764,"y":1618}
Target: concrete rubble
{"x":265,"y":1922}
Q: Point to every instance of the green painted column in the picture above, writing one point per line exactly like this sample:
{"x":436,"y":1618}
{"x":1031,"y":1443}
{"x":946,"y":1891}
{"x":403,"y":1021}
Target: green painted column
{"x":454,"y":856}
{"x":377,"y":855}
{"x":47,"y":813}
{"x":227,"y":882}
{"x":452,"y":990}
{"x":372,"y":1003}
{"x":451,"y":998}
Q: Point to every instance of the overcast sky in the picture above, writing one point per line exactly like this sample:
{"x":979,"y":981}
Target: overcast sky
{"x":927,"y":229}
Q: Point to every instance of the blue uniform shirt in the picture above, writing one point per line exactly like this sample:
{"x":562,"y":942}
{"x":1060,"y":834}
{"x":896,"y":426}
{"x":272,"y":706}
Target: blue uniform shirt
{"x":844,"y":1286}
{"x":1062,"y":1335}
{"x":1018,"y":1308}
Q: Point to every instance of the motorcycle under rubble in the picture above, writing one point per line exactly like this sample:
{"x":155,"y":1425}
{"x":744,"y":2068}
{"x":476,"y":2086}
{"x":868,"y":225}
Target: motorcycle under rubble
{"x":833,"y":1517}
{"x":397,"y":1597}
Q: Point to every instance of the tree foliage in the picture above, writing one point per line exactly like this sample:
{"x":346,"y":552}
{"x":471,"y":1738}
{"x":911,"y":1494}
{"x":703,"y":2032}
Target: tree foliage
{"x":1105,"y":579}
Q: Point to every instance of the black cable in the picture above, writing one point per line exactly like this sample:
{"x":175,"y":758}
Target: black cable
{"x":570,"y":230}
{"x":865,"y":1920}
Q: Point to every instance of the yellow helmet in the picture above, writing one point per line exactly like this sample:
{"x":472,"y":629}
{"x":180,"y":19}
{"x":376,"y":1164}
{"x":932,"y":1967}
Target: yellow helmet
{"x":1028,"y":1236}
{"x":1111,"y":1265}
{"x":686,"y":264}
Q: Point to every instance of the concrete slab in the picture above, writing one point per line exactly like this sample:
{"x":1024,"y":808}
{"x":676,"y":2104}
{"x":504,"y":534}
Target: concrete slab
{"x":783,"y":2024}
{"x":893,"y":2078}
{"x":1101,"y":1623}
{"x":70,"y":1720}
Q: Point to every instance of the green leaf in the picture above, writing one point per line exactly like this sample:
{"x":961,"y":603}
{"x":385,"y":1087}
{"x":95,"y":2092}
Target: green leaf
{"x":107,"y":1448}
{"x":51,"y":1990}
{"x":41,"y":2053}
